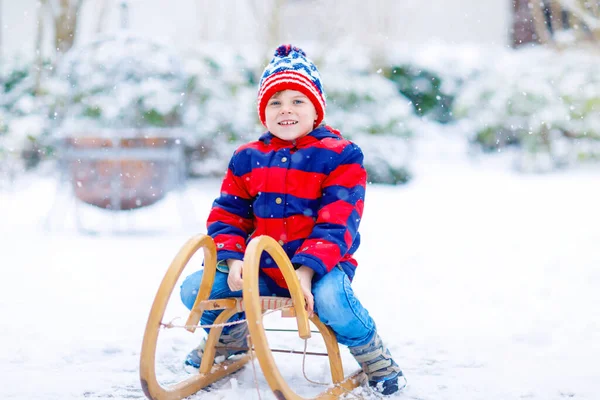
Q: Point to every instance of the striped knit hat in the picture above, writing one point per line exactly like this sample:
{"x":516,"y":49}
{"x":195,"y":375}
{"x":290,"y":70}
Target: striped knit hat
{"x":291,"y":69}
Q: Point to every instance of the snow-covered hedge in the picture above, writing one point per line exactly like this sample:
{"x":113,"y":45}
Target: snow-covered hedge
{"x":545,"y":102}
{"x":431,"y":76}
{"x":367,"y":109}
{"x":3,"y":137}
{"x":27,"y":113}
{"x":424,"y":89}
{"x":221,"y":112}
{"x":123,"y":81}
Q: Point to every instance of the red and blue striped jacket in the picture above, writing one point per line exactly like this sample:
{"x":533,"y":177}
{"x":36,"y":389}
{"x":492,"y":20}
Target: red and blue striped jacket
{"x":307,"y":194}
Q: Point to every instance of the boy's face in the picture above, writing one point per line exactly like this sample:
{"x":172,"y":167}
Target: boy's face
{"x":290,"y":115}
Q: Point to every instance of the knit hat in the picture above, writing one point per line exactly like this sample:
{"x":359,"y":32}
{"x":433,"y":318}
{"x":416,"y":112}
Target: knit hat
{"x":291,"y":69}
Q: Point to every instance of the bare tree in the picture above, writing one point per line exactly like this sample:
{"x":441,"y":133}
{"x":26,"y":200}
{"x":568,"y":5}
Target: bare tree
{"x":64,"y":14}
{"x":576,"y":20}
{"x":523,"y":31}
{"x":39,"y":55}
{"x":101,"y":21}
{"x":271,"y":12}
{"x":273,"y":36}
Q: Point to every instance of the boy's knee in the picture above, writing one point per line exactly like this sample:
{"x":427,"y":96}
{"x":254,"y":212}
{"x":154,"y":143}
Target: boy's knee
{"x":189,"y":289}
{"x":329,"y":296}
{"x":191,"y":286}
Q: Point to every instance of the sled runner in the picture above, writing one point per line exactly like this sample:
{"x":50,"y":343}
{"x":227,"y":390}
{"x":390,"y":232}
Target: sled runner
{"x":254,"y":306}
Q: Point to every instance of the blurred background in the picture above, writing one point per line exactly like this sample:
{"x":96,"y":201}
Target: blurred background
{"x":480,"y":125}
{"x":124,"y":102}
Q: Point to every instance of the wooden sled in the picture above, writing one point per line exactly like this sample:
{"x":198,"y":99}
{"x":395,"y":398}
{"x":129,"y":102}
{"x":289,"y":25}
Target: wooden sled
{"x":254,"y":306}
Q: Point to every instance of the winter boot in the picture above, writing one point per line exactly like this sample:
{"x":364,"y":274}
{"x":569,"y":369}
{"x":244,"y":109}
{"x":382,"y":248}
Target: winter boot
{"x":236,"y":338}
{"x":385,"y":377}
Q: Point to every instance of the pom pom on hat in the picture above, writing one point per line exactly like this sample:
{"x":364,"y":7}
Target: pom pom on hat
{"x":285,"y":49}
{"x":290,"y":69}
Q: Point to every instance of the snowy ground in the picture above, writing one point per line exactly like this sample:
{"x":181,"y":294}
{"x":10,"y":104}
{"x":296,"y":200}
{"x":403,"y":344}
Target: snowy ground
{"x":484,"y":283}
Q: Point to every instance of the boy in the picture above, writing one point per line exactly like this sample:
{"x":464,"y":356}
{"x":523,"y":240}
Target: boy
{"x":302,"y":184}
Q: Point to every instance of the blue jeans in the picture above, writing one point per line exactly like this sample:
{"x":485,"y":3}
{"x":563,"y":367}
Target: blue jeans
{"x":335,"y":303}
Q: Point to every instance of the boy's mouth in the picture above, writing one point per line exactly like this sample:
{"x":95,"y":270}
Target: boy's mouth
{"x":287,"y":122}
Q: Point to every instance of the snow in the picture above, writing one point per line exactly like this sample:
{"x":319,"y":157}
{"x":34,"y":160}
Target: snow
{"x":483,"y":282}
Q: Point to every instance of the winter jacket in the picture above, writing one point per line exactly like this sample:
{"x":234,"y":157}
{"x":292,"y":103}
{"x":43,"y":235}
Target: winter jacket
{"x":307,"y":194}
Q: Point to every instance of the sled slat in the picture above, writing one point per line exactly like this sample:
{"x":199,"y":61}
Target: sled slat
{"x":266,"y":302}
{"x":218,"y":304}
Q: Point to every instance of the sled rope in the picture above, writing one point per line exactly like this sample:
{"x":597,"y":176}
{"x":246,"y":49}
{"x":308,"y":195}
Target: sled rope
{"x":170,"y":325}
{"x":348,"y":392}
{"x":253,"y":366}
{"x":303,"y":369}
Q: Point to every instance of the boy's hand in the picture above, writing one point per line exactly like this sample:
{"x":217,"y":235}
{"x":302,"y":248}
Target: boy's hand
{"x":234,"y":279}
{"x":305,"y":276}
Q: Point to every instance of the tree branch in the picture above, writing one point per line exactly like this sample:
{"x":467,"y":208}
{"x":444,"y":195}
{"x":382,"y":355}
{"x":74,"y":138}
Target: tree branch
{"x":577,"y":10}
{"x":539,"y":21}
{"x":593,"y":7}
{"x":101,"y":21}
{"x":50,"y":7}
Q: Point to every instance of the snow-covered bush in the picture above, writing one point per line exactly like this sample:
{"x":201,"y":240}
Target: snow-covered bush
{"x":222,"y":106}
{"x":3,"y":136}
{"x":424,"y":89}
{"x":13,"y":73}
{"x":367,"y":109}
{"x":29,"y":110}
{"x":547,"y":103}
{"x":432,"y":75}
{"x":10,"y":159}
{"x":123,"y":81}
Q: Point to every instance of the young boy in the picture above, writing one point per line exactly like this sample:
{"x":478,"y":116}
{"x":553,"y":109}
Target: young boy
{"x":304,"y":185}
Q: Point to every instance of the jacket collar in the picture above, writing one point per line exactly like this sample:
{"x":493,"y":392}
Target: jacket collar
{"x":319,"y":133}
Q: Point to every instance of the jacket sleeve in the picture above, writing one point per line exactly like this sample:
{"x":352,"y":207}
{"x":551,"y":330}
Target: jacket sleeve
{"x":231,"y":221}
{"x":336,"y":228}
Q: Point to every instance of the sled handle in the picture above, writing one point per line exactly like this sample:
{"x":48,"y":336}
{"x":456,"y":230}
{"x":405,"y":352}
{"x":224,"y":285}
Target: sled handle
{"x":152,"y":389}
{"x":208,"y":278}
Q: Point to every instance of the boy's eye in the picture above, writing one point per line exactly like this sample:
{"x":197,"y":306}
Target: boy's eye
{"x":274,"y":103}
{"x":298,"y":101}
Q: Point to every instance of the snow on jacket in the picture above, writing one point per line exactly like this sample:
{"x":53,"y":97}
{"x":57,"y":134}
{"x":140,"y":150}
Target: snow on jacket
{"x":307,"y":194}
